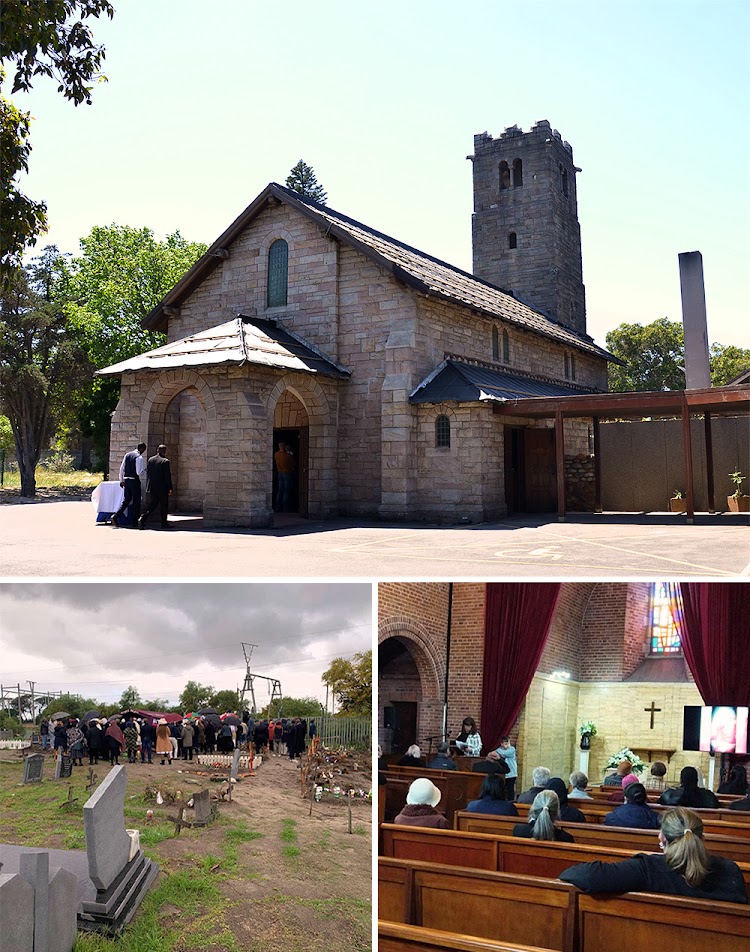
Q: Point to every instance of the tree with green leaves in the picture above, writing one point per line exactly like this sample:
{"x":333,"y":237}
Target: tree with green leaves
{"x":350,"y":680}
{"x":654,"y":356}
{"x":195,"y":695}
{"x":42,"y":359}
{"x":51,"y":40}
{"x":302,"y":179}
{"x":130,"y":698}
{"x":73,"y":704}
{"x":294,"y":707}
{"x":225,"y":700}
{"x":120,"y":276}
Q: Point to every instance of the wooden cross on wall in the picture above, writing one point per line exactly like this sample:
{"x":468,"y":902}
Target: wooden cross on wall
{"x":652,"y":710}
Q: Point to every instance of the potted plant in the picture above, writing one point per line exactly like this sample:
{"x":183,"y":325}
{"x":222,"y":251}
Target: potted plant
{"x":678,"y":503}
{"x":738,"y":501}
{"x":587,"y":730}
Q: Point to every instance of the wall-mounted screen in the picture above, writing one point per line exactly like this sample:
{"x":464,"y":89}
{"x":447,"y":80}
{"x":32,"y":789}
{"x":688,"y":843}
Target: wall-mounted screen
{"x":718,"y":730}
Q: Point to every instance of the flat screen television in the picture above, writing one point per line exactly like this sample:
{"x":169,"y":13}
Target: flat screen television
{"x":721,"y":729}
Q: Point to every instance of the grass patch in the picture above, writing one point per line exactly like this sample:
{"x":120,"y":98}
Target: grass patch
{"x":156,"y":832}
{"x":290,"y":851}
{"x":288,"y":831}
{"x":241,"y":833}
{"x":46,"y":479}
{"x":361,"y":830}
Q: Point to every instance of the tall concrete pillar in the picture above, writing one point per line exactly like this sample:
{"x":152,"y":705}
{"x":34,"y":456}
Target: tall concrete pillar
{"x":697,"y":371}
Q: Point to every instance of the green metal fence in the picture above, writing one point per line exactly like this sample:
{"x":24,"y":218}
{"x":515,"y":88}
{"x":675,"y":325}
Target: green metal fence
{"x":344,"y":731}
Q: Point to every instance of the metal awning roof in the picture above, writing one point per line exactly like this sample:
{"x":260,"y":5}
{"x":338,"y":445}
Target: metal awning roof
{"x":462,"y":382}
{"x":243,"y":340}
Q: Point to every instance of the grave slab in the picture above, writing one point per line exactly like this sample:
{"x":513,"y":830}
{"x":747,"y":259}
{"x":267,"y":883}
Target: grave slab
{"x":34,"y":867}
{"x":33,"y":768}
{"x":16,"y":913}
{"x":204,"y":811}
{"x":107,"y":842}
{"x":63,"y":893}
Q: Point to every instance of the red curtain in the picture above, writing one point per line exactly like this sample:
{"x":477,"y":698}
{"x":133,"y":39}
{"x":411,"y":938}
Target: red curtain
{"x":517,"y":620}
{"x":715,"y":637}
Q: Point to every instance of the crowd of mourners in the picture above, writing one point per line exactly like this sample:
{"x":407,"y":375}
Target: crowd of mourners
{"x":146,"y":739}
{"x":682,"y":867}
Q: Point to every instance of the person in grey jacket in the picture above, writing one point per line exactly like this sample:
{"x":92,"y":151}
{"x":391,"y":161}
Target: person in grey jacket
{"x":188,"y":735}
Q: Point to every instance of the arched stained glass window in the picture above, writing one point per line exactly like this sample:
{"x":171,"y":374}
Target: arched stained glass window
{"x":278,"y":272}
{"x":442,"y":431}
{"x":666,"y":618}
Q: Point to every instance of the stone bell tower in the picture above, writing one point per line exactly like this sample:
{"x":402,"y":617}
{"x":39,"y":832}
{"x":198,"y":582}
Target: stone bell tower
{"x":525,"y":232}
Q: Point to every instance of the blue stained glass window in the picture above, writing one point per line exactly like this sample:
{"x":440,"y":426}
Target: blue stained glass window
{"x":278,"y":272}
{"x":665,"y":619}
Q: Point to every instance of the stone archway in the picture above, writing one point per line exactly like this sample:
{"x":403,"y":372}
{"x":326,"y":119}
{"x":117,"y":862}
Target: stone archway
{"x":291,"y":426}
{"x":178,"y":411}
{"x":410,"y":686}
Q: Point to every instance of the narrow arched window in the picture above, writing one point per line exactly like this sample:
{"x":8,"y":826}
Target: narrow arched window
{"x":506,"y":347}
{"x":512,"y":240}
{"x":517,"y":173}
{"x":504,"y":175}
{"x":573,"y":366}
{"x":565,"y":182}
{"x":495,"y":344}
{"x":567,"y":366}
{"x":442,"y":431}
{"x":278,"y":273}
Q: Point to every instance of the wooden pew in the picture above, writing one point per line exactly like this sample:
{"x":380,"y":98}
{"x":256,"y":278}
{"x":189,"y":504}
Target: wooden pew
{"x":488,"y":905}
{"x":506,"y":854}
{"x":714,"y":821}
{"x":457,"y":788}
{"x":723,"y":844}
{"x":394,"y":937}
{"x":650,"y":922}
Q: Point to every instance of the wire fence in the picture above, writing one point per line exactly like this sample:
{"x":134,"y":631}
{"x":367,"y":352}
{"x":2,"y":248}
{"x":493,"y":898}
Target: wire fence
{"x":344,"y":731}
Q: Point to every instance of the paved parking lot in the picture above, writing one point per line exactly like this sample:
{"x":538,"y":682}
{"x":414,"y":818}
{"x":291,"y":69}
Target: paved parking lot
{"x":50,"y":539}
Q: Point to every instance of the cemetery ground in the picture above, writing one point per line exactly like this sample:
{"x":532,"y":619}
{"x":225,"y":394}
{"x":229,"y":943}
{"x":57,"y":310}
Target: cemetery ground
{"x":268,"y":873}
{"x":57,"y":536}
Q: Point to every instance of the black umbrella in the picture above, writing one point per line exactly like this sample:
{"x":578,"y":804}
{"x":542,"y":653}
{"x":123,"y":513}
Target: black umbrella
{"x":61,"y":715}
{"x":232,"y":720}
{"x":212,"y":719}
{"x":90,"y":716}
{"x":207,"y":710}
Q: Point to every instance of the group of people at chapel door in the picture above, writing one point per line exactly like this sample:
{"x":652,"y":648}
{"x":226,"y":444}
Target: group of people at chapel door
{"x":157,"y":475}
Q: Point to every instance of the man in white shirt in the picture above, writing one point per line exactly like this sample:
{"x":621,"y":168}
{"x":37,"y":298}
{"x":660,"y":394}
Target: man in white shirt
{"x":132,"y":468}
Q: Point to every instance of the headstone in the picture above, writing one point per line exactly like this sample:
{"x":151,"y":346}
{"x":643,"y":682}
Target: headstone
{"x":235,"y":765}
{"x":34,"y":867}
{"x":63,"y":906}
{"x":107,"y":843}
{"x":63,"y":766}
{"x":33,"y":768}
{"x":16,"y":913}
{"x":203,"y":809}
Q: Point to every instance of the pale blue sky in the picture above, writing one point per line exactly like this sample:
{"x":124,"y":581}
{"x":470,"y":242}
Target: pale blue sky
{"x":207,"y":103}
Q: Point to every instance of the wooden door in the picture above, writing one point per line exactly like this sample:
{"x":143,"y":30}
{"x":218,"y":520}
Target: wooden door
{"x":401,"y":718}
{"x":514,"y":477}
{"x":540,"y":483}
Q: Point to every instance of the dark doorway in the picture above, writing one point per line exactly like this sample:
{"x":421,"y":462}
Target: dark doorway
{"x":400,"y":718}
{"x":296,"y":441}
{"x":530,"y":470}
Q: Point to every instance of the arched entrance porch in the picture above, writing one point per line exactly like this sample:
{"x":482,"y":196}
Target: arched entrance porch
{"x":291,"y":426}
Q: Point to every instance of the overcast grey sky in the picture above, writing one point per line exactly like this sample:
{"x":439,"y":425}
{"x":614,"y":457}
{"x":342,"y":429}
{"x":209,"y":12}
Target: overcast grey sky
{"x":95,"y":639}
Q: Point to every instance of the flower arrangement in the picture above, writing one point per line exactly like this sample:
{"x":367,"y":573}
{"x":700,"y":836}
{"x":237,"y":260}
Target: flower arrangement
{"x":627,"y":754}
{"x":588,"y":727}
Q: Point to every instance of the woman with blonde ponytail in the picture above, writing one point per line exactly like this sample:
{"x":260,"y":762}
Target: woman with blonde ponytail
{"x":541,"y":823}
{"x":683,"y":868}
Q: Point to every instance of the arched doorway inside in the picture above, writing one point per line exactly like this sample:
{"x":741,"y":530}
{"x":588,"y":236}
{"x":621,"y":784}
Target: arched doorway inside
{"x":185,"y":437}
{"x":409,"y":702}
{"x":291,"y":426}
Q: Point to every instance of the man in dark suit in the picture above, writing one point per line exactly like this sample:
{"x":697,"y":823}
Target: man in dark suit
{"x":131,"y":469}
{"x":159,"y":487}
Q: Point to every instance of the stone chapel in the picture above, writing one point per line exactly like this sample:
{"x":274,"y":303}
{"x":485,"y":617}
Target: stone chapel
{"x":376,"y":363}
{"x":609,"y":657}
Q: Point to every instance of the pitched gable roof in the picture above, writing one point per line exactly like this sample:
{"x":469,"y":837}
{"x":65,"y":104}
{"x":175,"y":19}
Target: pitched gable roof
{"x":412,"y":267}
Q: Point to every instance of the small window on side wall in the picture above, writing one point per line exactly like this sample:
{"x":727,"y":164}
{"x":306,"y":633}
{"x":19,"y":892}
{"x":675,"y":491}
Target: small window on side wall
{"x":495,"y":343}
{"x":442,"y":432}
{"x":512,"y":240}
{"x":517,"y":173}
{"x":506,"y":347}
{"x":504,"y":175}
{"x":573,"y":366}
{"x":278,"y":273}
{"x":567,"y":365}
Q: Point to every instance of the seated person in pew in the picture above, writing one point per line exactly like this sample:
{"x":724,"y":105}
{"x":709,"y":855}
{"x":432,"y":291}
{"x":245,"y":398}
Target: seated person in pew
{"x":737,"y":781}
{"x":443,"y":760}
{"x":492,"y":763}
{"x":568,"y":814}
{"x":492,"y":798}
{"x":685,"y":869}
{"x":412,"y":758}
{"x":689,"y":794}
{"x":539,"y":778}
{"x":541,"y":824}
{"x":421,"y":800}
{"x":635,"y":812}
{"x":743,"y":804}
{"x":615,"y":779}
{"x":578,"y":783}
{"x":655,"y":779}
{"x":618,"y":794}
